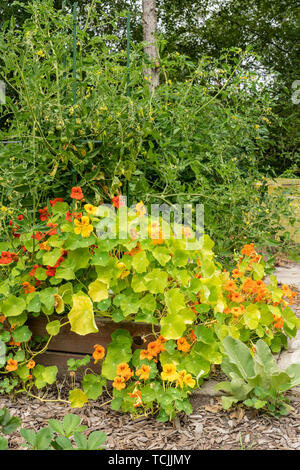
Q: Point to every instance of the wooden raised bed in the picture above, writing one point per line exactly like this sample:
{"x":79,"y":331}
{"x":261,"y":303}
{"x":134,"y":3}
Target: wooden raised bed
{"x":68,"y":344}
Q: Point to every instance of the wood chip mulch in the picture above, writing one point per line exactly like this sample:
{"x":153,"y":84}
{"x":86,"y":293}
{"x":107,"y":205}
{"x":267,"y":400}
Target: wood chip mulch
{"x":208,"y":428}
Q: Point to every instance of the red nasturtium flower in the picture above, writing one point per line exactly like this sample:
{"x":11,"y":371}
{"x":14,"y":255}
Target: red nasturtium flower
{"x":54,"y":201}
{"x":38,"y":236}
{"x":118,"y":201}
{"x":53,"y":230}
{"x":44,"y":215}
{"x":32,"y":272}
{"x":7,"y":257}
{"x":51,"y":270}
{"x":77,"y":193}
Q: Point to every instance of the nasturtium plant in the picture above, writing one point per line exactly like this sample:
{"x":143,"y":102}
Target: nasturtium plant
{"x":78,"y":265}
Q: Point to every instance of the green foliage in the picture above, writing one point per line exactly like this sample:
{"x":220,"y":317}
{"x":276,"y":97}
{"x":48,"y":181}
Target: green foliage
{"x":8,"y":425}
{"x":110,"y":141}
{"x":58,"y":436}
{"x":256,"y":381}
{"x":185,"y":291}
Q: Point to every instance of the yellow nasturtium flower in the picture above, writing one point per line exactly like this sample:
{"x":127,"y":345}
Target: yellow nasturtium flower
{"x":169,"y":372}
{"x":140,"y":209}
{"x":90,"y":209}
{"x":83,"y":227}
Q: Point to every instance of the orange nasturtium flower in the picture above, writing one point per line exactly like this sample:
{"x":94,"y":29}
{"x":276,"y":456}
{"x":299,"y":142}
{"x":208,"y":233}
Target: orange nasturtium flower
{"x":236,"y":273}
{"x":155,"y":233}
{"x":143,"y":372}
{"x":183,"y":345}
{"x":119,"y":383}
{"x":237,"y":311}
{"x":187,"y":233}
{"x":230,"y":286}
{"x":136,"y":394}
{"x":169,"y":372}
{"x":123,"y":369}
{"x":145,"y":354}
{"x":279,"y":323}
{"x":248,"y":250}
{"x":84,"y":227}
{"x":11,"y":365}
{"x":2,"y":318}
{"x":155,"y":348}
{"x":28,"y":288}
{"x":76,"y":193}
{"x":30,"y":364}
{"x":236,"y":297}
{"x":99,"y":352}
{"x":45,"y":246}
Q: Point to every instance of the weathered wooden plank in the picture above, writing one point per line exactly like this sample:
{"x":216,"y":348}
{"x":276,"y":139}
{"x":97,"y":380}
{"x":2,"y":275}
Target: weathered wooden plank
{"x":68,"y":341}
{"x":59,"y":359}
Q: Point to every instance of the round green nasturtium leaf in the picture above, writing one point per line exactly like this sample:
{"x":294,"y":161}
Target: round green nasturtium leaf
{"x":19,"y":320}
{"x":47,"y":297}
{"x":140,"y":262}
{"x":137,"y":283}
{"x":173,"y":325}
{"x":175,"y":300}
{"x":98,"y":291}
{"x":161,"y":254}
{"x":180,"y":258}
{"x":252,"y":316}
{"x":53,"y":327}
{"x":119,"y":350}
{"x":156,"y":281}
{"x":33,"y":302}
{"x":50,"y":258}
{"x":66,"y":292}
{"x":44,"y":375}
{"x":77,"y":398}
{"x":93,"y":385}
{"x":81,"y":315}
{"x":21,"y":334}
{"x":13,"y":306}
{"x":23,"y":372}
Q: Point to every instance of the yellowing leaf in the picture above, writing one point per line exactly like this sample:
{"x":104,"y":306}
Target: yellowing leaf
{"x":77,"y":398}
{"x":59,"y":304}
{"x":81,"y":315}
{"x":98,"y":291}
